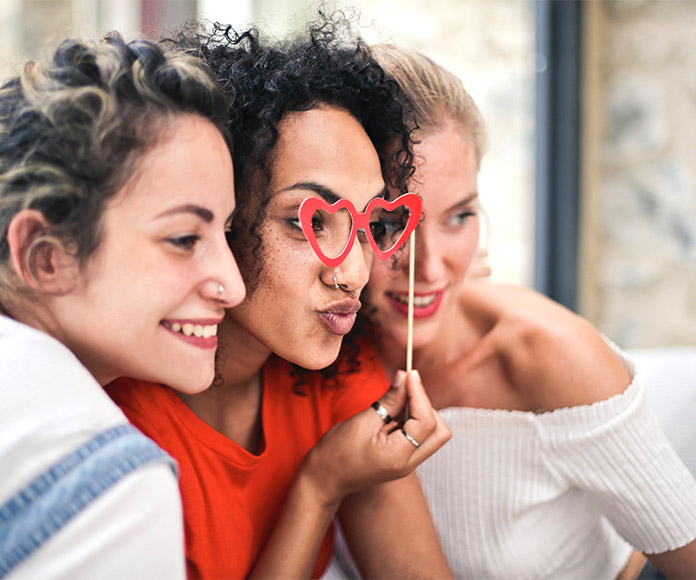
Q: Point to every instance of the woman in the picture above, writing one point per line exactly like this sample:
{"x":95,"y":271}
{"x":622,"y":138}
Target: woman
{"x":556,"y":464}
{"x":263,"y":471}
{"x":115,"y":191}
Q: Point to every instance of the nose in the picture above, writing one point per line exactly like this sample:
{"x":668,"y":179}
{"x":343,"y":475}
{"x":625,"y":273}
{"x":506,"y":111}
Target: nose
{"x":429,"y":265}
{"x":354,"y":272}
{"x":225,"y":280}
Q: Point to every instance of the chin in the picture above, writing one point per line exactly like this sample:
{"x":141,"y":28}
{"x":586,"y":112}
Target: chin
{"x":190,"y":385}
{"x":320,"y":360}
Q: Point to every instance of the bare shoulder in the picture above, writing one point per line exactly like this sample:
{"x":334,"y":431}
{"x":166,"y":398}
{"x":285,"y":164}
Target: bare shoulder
{"x":550,"y":356}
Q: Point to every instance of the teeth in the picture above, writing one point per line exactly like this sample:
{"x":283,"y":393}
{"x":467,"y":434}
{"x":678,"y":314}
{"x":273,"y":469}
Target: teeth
{"x":418,"y":301}
{"x":197,"y":330}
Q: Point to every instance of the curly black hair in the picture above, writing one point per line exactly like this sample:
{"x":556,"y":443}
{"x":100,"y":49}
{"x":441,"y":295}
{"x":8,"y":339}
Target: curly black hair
{"x":264,"y":81}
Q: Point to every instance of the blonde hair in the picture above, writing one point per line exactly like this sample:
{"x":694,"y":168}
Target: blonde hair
{"x":432,"y":94}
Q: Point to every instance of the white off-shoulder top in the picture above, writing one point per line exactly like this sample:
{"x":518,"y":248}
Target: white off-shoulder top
{"x":563,"y":494}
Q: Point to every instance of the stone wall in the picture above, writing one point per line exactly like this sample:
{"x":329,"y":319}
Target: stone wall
{"x":641,"y":270}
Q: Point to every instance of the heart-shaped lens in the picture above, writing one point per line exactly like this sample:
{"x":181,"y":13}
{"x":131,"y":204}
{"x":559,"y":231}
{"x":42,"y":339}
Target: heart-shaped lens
{"x":387,"y":226}
{"x":332,"y":230}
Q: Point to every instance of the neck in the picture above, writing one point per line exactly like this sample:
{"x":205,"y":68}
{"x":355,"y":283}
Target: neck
{"x":234,"y":407}
{"x":240,"y":355}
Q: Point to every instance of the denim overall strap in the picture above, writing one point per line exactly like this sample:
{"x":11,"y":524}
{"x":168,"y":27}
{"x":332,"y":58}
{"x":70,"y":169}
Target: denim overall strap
{"x":46,"y":504}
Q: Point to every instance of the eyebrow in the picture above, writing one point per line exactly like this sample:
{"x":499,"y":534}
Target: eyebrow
{"x":471,"y":197}
{"x":324,"y":192}
{"x":205,"y":214}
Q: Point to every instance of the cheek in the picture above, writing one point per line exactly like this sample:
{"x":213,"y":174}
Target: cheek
{"x":461,"y":260}
{"x":288,"y":273}
{"x":381,"y":275}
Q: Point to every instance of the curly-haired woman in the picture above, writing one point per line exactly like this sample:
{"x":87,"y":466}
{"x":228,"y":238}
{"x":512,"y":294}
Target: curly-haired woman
{"x":115,"y":191}
{"x":268,"y":455}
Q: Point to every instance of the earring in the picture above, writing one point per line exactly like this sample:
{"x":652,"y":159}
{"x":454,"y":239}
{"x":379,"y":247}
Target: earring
{"x":336,"y":284}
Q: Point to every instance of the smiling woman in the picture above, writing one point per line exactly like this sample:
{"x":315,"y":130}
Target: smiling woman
{"x":163,"y":229}
{"x":116,"y":189}
{"x":551,"y":429}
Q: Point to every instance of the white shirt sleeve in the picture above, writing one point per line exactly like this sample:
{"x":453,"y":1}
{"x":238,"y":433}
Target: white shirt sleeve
{"x":616,"y":450}
{"x":49,"y":406}
{"x":129,"y":532}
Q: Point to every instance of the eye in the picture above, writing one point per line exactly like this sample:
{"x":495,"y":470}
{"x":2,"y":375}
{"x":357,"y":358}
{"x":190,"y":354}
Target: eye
{"x":317,"y":223}
{"x":294,"y":223}
{"x":378,"y":229}
{"x":461,"y":217}
{"x":185,"y":242}
{"x":384,"y":230}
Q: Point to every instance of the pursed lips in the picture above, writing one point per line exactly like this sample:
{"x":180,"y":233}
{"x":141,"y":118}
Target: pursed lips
{"x":340,"y":316}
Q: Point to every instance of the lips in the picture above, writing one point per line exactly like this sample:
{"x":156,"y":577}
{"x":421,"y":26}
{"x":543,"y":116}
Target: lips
{"x":202,"y":334}
{"x":340,"y":317}
{"x":425,"y":304}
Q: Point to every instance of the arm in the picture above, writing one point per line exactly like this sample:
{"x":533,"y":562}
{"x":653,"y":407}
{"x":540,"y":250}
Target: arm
{"x":390,"y":532}
{"x":353,"y":455}
{"x":134,"y":530}
{"x":679,"y":563}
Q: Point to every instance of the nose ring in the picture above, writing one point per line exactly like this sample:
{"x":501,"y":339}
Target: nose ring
{"x":335,"y":282}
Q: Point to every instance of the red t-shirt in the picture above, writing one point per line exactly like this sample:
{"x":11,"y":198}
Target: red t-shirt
{"x":231,"y":497}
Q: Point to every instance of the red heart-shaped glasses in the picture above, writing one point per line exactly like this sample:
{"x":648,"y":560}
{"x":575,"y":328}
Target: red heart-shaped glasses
{"x":331,"y":228}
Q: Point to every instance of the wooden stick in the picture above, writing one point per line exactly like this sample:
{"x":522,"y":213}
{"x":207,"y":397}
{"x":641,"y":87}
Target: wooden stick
{"x":411,"y":276}
{"x":409,"y":339}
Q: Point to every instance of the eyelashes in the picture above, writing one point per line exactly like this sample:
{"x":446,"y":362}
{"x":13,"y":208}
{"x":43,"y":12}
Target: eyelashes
{"x":187,"y":242}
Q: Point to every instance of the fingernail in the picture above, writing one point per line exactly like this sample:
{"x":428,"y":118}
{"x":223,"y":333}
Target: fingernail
{"x":399,"y":378}
{"x":416,"y":375}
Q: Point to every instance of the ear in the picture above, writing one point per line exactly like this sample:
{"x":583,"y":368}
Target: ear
{"x":39,"y":259}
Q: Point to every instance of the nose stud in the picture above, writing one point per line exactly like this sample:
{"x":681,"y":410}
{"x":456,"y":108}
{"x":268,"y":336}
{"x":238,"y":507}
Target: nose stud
{"x":335,"y":282}
{"x":221,"y":291}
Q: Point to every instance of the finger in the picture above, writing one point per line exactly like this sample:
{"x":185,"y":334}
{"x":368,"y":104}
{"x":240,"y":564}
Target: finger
{"x":393,"y":400}
{"x":426,"y":447}
{"x":425,"y":423}
{"x":418,"y":401}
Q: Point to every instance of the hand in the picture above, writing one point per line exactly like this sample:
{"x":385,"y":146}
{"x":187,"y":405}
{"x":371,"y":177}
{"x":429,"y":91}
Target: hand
{"x":364,"y":450}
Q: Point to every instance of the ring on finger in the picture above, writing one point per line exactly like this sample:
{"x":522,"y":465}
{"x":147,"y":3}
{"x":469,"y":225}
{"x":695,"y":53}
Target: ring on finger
{"x":381,"y":411}
{"x":410,"y":439}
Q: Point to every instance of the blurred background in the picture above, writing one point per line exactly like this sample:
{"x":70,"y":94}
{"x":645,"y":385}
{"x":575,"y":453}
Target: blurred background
{"x":590,"y":177}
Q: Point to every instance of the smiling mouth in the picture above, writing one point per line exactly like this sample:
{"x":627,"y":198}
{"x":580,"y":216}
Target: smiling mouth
{"x":418,"y":301}
{"x":196,"y":330}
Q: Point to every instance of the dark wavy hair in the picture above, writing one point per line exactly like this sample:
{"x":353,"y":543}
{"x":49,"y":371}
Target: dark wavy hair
{"x":73,"y":129}
{"x":264,"y":81}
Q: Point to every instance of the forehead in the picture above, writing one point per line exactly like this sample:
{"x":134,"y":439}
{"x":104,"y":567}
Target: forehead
{"x":328,"y":147}
{"x":446,"y":166}
{"x":189,"y":162}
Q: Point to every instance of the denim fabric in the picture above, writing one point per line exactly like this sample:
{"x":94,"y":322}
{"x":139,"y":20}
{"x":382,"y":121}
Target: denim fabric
{"x":50,"y":501}
{"x":649,"y":572}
